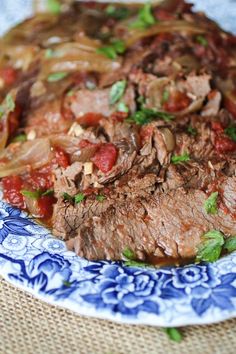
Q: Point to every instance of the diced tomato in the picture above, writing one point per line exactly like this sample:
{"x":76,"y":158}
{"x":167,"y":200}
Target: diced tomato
{"x":105,"y":158}
{"x":163,"y":15}
{"x":11,"y":190}
{"x":85,"y":143}
{"x":8,"y":75}
{"x":119,"y":116}
{"x":62,"y":158}
{"x":45,"y":204}
{"x":177,"y":102}
{"x":40,"y":179}
{"x":230,"y":102}
{"x":13,"y":119}
{"x":145,"y":133}
{"x":217,"y":127}
{"x":223,"y":144}
{"x":90,"y":119}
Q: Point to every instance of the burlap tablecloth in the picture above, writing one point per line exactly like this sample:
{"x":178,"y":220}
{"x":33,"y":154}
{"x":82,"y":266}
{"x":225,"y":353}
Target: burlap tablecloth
{"x":30,"y":326}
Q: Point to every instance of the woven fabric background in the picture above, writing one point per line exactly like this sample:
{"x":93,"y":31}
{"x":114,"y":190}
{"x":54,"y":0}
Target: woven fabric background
{"x":30,"y":326}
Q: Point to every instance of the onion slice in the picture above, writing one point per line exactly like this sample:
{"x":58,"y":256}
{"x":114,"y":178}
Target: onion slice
{"x":29,"y":155}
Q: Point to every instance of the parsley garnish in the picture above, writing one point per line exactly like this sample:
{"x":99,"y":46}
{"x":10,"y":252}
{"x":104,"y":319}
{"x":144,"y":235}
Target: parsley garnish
{"x":54,"y":6}
{"x":79,"y":198}
{"x":57,"y":76}
{"x":122,"y":107}
{"x":20,"y":137}
{"x":31,"y":194}
{"x":165,"y":96}
{"x":119,"y":13}
{"x":231,"y":132}
{"x":180,"y":158}
{"x":117,"y":91}
{"x":174,"y":334}
{"x":202,"y":40}
{"x":191,"y":130}
{"x":128,"y":253}
{"x":110,"y":51}
{"x":68,"y":197}
{"x":48,"y":192}
{"x":210,"y":248}
{"x":210,"y":205}
{"x":146,"y":115}
{"x":67,"y":283}
{"x":145,"y":18}
{"x":230,"y":244}
{"x":10,"y":104}
{"x":130,"y":259}
{"x":100,"y":197}
{"x":48,"y":53}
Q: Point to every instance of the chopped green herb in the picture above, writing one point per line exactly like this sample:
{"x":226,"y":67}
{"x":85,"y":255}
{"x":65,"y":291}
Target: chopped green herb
{"x":1,"y":111}
{"x":180,"y":158}
{"x":68,"y":197}
{"x":146,"y":115}
{"x":231,"y":132}
{"x":67,"y":283}
{"x":131,"y":263}
{"x":117,"y":91}
{"x":111,"y":51}
{"x":100,"y":198}
{"x":79,"y":198}
{"x":210,"y":248}
{"x":31,"y":194}
{"x":119,"y":13}
{"x":10,"y":103}
{"x":48,"y":53}
{"x":230,"y":244}
{"x":54,"y":6}
{"x":129,"y":254}
{"x":48,"y":192}
{"x":122,"y":107}
{"x":165,"y":96}
{"x":18,"y":138}
{"x":145,"y":18}
{"x":210,"y":205}
{"x":57,"y":76}
{"x":174,"y":334}
{"x":191,"y":130}
{"x":141,"y":100}
{"x":202,"y":40}
{"x":70,"y":93}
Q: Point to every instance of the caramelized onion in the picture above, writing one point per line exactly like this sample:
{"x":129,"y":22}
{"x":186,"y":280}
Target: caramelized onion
{"x":29,"y":155}
{"x":66,"y":142}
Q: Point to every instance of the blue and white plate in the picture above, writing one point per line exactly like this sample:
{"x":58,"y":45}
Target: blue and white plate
{"x":32,"y":259}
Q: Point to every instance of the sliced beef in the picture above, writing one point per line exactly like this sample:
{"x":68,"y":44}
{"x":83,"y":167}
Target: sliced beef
{"x":173,"y":222}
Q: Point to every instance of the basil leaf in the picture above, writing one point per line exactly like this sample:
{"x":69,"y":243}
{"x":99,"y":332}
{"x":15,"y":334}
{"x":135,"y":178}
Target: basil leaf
{"x":231,"y":132}
{"x":129,"y":254}
{"x":68,"y":197}
{"x":79,"y":198}
{"x":110,"y":51}
{"x":122,"y":107}
{"x":31,"y":194}
{"x":210,"y":205}
{"x":202,"y":40}
{"x":100,"y":198}
{"x":192,"y":131}
{"x":230,"y":244}
{"x":119,"y":13}
{"x":146,"y":115}
{"x":57,"y":76}
{"x":20,"y":137}
{"x":54,"y":6}
{"x":174,"y":334}
{"x":145,"y":18}
{"x":10,"y":104}
{"x":117,"y":91}
{"x":48,"y":192}
{"x":175,"y":159}
{"x":210,"y":248}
